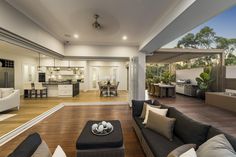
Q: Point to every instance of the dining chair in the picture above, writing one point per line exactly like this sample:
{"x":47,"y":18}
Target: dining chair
{"x":102,"y":88}
{"x":28,"y":90}
{"x":114,"y":89}
{"x":38,"y":86}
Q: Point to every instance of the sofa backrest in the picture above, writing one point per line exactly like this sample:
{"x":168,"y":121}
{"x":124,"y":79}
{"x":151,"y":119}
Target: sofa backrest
{"x":213,"y":132}
{"x":137,"y":107}
{"x":27,"y":147}
{"x":4,"y":92}
{"x":188,"y":130}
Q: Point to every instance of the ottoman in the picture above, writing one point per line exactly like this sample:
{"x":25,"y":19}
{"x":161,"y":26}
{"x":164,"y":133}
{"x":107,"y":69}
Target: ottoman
{"x":90,"y":145}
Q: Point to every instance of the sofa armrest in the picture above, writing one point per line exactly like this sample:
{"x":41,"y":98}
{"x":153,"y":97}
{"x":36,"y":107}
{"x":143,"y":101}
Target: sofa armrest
{"x":137,"y":107}
{"x":10,"y":101}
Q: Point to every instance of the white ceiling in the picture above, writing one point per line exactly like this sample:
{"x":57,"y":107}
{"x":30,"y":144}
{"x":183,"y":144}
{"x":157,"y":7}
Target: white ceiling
{"x":134,"y":18}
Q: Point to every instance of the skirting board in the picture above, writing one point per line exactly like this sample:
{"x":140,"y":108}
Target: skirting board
{"x":12,"y":134}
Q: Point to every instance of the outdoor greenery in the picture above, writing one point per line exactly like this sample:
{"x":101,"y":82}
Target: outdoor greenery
{"x":204,"y":80}
{"x":206,"y":38}
{"x":167,"y":77}
{"x":155,"y":70}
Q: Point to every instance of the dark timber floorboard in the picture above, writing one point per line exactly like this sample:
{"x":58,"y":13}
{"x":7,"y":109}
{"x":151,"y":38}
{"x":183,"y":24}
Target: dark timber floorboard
{"x":63,"y":127}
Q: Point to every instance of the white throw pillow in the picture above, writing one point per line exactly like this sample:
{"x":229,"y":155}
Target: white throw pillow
{"x":190,"y":153}
{"x":155,"y":110}
{"x":59,"y":152}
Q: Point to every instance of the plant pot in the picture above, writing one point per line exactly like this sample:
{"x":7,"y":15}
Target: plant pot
{"x":200,"y":94}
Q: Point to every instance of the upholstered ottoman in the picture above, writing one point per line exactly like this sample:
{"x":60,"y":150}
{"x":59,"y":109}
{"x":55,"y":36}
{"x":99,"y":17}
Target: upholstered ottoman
{"x":90,"y":145}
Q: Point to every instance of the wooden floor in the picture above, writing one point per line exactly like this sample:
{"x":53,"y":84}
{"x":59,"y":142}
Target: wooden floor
{"x":31,"y":108}
{"x":64,"y":126}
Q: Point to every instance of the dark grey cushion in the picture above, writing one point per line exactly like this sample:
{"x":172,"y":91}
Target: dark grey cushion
{"x":156,"y":102}
{"x":87,"y":140}
{"x":213,"y":132}
{"x":159,"y":145}
{"x":137,"y":107}
{"x":188,"y":130}
{"x":27,"y":147}
{"x":181,"y":149}
{"x":139,"y":122}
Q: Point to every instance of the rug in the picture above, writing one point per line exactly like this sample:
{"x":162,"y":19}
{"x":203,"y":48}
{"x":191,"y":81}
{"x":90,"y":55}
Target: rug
{"x":6,"y":116}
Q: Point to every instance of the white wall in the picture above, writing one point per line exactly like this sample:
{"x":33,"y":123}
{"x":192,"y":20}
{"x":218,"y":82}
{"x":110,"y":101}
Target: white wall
{"x":100,"y":51}
{"x":121,"y":67}
{"x":230,"y":72}
{"x":19,"y":60}
{"x":15,"y":22}
{"x":190,"y":74}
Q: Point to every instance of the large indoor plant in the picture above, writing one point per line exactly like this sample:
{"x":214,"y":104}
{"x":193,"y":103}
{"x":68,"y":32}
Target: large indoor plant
{"x":204,"y":82}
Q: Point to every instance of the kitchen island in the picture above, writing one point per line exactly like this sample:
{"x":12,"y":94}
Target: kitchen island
{"x":62,"y":89}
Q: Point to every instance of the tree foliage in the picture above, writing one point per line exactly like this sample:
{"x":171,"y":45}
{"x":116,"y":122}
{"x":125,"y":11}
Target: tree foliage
{"x":206,"y":39}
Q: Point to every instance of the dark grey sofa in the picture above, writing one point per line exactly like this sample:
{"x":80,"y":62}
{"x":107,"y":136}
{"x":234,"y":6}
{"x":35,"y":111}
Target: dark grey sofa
{"x":186,"y":131}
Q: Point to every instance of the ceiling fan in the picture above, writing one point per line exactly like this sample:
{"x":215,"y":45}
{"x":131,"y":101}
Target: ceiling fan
{"x":96,"y":24}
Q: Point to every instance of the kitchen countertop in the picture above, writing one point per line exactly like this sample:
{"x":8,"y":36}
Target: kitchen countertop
{"x":59,"y":83}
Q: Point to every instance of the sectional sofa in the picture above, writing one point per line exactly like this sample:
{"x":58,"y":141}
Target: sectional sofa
{"x":185,"y":131}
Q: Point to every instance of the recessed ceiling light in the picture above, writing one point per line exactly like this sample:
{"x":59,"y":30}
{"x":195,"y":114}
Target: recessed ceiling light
{"x":124,"y":37}
{"x":76,"y":36}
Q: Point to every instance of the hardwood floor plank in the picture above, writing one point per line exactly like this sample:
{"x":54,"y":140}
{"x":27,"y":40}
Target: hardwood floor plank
{"x":64,"y":126}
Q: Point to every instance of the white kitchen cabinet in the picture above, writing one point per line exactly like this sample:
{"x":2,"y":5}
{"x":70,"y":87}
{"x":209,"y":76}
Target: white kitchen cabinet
{"x":66,"y":72}
{"x":65,"y":90}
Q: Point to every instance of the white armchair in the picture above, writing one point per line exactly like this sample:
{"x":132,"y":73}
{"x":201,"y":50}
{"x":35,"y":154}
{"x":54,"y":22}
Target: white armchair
{"x":10,"y":101}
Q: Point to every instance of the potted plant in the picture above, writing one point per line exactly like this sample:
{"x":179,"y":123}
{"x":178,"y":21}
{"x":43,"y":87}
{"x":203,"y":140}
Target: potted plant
{"x":167,"y":77}
{"x":204,"y":82}
{"x":156,"y":79}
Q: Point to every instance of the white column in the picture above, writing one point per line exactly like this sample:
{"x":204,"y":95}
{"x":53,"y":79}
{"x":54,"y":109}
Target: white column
{"x":137,"y":77}
{"x":141,"y":75}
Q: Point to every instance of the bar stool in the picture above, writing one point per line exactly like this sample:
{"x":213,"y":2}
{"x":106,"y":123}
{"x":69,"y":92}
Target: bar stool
{"x":28,"y":90}
{"x":38,"y":86}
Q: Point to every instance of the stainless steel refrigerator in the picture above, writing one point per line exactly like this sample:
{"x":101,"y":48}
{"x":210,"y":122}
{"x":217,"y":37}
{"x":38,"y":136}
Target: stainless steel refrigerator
{"x":6,"y":73}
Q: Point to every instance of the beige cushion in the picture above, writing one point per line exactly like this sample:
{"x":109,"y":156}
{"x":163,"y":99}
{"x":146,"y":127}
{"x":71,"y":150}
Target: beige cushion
{"x":59,"y":152}
{"x":156,"y":110}
{"x":190,"y":153}
{"x":144,"y":109}
{"x":6,"y":91}
{"x":42,"y":151}
{"x":161,"y":124}
{"x":181,"y":149}
{"x":217,"y":146}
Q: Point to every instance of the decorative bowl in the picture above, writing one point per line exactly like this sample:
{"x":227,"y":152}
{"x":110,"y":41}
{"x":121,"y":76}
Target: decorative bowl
{"x":102,"y":129}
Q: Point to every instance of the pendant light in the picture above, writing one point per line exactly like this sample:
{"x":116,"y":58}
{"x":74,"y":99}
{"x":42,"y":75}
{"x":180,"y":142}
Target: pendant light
{"x":69,"y":68}
{"x":39,"y":67}
{"x":54,"y":67}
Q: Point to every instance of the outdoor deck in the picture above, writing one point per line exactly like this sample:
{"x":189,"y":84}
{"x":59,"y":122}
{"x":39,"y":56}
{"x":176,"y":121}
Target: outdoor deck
{"x":196,"y":109}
